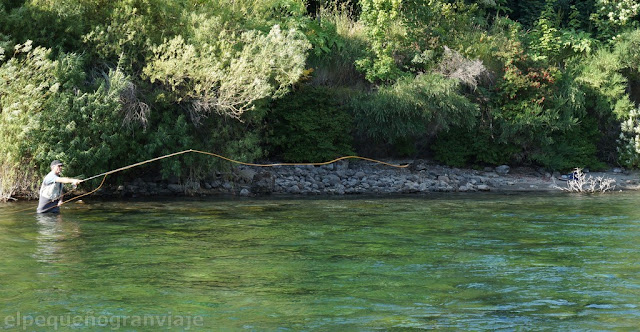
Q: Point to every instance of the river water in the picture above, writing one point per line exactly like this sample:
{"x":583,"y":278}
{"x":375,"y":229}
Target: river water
{"x":452,"y":262}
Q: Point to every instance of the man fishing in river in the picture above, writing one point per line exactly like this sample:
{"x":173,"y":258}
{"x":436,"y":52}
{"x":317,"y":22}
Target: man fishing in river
{"x":51,"y":189}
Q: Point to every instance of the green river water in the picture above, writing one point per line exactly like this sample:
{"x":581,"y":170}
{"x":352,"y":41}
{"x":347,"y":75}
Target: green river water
{"x":450,"y":262}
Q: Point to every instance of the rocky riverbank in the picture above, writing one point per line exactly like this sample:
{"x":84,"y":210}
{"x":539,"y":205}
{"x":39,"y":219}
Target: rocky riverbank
{"x":349,"y":177}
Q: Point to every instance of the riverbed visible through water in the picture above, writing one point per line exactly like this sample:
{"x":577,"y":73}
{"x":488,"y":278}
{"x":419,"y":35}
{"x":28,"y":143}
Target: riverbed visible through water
{"x":454,"y":261}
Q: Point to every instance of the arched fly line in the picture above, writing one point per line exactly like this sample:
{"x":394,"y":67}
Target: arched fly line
{"x":105,"y":174}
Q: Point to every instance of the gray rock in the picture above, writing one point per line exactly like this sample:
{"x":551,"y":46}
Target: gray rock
{"x":342,"y":164}
{"x":502,"y":169}
{"x":245,"y":174}
{"x":263,"y":183}
{"x":443,"y":178}
{"x":244,"y":192}
{"x":331,"y":179}
{"x":418,"y":165}
{"x":410,"y":187}
{"x":294,"y":189}
{"x":175,"y":188}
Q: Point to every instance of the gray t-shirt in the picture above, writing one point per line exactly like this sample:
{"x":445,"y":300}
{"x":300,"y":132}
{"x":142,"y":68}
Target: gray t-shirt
{"x":50,"y":192}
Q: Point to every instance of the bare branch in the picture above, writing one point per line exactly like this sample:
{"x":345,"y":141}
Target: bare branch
{"x":582,"y":183}
{"x":134,"y":110}
{"x":455,"y":66}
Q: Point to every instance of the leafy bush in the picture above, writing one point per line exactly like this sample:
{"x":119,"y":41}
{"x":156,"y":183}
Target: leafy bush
{"x":310,"y":125}
{"x":174,"y":131}
{"x":380,"y":17}
{"x":576,"y":147}
{"x":412,"y":108}
{"x":401,"y":34}
{"x":338,"y":41}
{"x":471,"y":147}
{"x":532,"y":111}
{"x":57,"y":25}
{"x":613,"y":17}
{"x":227,"y":74}
{"x":45,"y":116}
{"x":124,"y":37}
{"x":532,"y":101}
{"x":610,"y":80}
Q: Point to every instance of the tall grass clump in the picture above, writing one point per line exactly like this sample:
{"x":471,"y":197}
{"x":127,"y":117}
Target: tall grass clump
{"x":412,"y":109}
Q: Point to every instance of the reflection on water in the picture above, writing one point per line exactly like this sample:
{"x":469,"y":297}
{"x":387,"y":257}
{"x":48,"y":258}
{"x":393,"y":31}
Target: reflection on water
{"x":464,"y":262}
{"x":52,"y":232}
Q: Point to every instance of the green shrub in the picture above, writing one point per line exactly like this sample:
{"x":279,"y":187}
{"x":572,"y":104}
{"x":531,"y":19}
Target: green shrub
{"x":227,"y":74}
{"x":45,"y":116}
{"x":610,"y":79}
{"x":57,"y":25}
{"x":412,"y":108}
{"x":381,"y":19}
{"x":574,"y":148}
{"x":309,"y":125}
{"x":338,"y":41}
{"x":462,"y":147}
{"x":613,"y":17}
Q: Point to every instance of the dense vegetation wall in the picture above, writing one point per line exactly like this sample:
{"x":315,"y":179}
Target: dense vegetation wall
{"x":102,"y":84}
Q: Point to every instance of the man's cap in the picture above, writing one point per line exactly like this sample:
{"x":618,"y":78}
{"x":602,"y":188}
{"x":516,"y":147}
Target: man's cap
{"x":56,"y":163}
